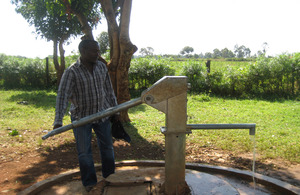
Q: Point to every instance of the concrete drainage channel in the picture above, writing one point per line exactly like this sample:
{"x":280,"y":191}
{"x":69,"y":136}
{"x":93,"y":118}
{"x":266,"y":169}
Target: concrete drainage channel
{"x":147,"y":177}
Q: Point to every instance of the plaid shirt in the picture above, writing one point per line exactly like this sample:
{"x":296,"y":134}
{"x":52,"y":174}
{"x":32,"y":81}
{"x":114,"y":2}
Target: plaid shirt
{"x":88,"y":93}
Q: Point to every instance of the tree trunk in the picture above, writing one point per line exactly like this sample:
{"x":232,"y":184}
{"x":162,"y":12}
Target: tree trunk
{"x":60,"y":68}
{"x":59,"y":72}
{"x":62,"y":58}
{"x":86,"y":29}
{"x":127,"y":49}
{"x":113,"y":32}
{"x":121,"y":50}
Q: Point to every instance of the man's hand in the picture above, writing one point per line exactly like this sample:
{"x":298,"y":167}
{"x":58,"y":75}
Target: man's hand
{"x":57,"y":126}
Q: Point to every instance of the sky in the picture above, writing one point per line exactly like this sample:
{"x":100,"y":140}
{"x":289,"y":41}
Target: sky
{"x":169,"y":25}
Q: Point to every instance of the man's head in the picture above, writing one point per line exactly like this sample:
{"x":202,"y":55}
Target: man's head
{"x":89,"y":51}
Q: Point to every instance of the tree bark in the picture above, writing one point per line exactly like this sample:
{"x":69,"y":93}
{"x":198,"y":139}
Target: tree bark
{"x":62,"y":57}
{"x":56,"y":63}
{"x":86,"y":28}
{"x":127,"y":49}
{"x":121,"y":50}
{"x":113,"y":32}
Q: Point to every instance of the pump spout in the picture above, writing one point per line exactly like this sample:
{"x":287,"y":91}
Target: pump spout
{"x":249,"y":126}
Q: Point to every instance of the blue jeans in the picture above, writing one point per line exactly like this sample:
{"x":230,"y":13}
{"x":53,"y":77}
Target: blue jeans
{"x":83,"y":136}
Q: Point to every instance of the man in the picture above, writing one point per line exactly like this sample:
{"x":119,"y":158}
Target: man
{"x":86,"y":84}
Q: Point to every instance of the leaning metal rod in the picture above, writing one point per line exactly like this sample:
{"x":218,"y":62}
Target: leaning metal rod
{"x":251,"y":127}
{"x":96,"y":116}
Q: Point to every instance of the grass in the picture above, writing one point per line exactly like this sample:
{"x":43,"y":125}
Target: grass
{"x":277,"y":125}
{"x":31,"y":114}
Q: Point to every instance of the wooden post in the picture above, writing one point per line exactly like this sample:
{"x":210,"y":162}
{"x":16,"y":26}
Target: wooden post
{"x":208,"y":73}
{"x":47,"y":72}
{"x":208,"y":66}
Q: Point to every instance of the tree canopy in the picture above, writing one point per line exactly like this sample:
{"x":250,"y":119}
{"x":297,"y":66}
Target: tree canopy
{"x":186,"y":50}
{"x":103,"y":40}
{"x":242,"y":51}
{"x":148,"y":51}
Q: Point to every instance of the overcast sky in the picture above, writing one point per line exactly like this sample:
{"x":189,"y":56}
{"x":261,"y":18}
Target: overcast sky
{"x":169,"y":25}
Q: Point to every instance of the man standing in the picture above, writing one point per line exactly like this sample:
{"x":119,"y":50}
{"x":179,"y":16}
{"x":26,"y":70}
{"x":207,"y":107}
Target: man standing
{"x":86,"y":84}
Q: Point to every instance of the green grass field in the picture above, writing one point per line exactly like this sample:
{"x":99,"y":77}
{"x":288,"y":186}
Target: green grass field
{"x":277,"y":123}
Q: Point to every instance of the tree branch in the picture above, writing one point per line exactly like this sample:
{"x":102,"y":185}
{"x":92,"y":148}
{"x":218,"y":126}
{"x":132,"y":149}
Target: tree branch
{"x":86,"y":28}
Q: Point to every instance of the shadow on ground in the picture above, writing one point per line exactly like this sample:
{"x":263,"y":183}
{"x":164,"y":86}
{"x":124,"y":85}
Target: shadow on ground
{"x":56,"y":160}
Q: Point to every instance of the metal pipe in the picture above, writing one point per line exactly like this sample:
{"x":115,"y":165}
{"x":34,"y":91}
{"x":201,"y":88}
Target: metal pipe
{"x":250,"y":126}
{"x":96,"y":116}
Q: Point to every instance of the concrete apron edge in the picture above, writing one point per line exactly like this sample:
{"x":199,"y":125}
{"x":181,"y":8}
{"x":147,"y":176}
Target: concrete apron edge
{"x":276,"y":184}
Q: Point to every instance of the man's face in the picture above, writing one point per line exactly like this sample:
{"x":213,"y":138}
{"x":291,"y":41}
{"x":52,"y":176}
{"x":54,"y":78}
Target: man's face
{"x":90,"y":54}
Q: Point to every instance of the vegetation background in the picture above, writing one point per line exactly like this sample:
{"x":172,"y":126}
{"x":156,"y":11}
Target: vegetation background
{"x":264,"y":91}
{"x":241,"y":88}
{"x":276,"y":77}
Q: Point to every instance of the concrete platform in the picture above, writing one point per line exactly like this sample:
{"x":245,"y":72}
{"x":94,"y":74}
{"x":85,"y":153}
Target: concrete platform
{"x":147,"y":177}
{"x":142,"y":181}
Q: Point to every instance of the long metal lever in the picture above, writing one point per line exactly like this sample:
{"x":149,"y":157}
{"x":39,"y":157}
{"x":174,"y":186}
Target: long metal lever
{"x":94,"y":117}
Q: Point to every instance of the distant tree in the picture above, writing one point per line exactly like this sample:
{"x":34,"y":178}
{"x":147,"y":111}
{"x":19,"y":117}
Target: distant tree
{"x":247,"y":52}
{"x":260,"y":53}
{"x":226,"y":53}
{"x":148,"y":51}
{"x":265,"y":46}
{"x":187,"y":50}
{"x":201,"y":55}
{"x":196,"y":55}
{"x":103,"y":40}
{"x":208,"y":55}
{"x":216,"y":53}
{"x":241,"y":51}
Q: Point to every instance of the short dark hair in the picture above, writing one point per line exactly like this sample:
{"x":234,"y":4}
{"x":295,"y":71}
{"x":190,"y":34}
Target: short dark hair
{"x":85,"y":44}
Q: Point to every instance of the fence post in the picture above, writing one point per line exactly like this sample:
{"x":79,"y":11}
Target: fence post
{"x":208,"y":66}
{"x":208,"y":74}
{"x":47,"y":72}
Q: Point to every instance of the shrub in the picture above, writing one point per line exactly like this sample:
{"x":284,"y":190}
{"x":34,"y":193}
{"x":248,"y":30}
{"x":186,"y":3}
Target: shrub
{"x":276,"y":76}
{"x":33,"y":74}
{"x":197,"y":76}
{"x":16,"y":72}
{"x":144,"y":72}
{"x":10,"y":73}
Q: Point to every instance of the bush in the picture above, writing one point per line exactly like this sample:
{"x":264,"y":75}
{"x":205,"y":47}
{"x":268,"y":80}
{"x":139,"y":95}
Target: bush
{"x":10,"y":73}
{"x":33,"y":74}
{"x":276,"y":76}
{"x":144,"y":72}
{"x":197,"y":76}
{"x":16,"y":72}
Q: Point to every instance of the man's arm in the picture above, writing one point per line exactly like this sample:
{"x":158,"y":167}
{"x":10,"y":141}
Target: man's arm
{"x":63,"y":94}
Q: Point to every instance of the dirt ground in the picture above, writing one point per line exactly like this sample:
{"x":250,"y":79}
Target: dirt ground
{"x":21,"y":170}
